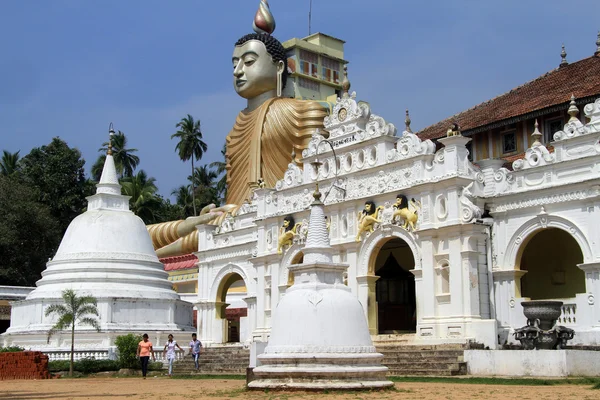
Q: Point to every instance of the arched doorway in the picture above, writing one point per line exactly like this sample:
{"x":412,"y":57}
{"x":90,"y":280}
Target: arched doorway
{"x":395,"y":288}
{"x":232,"y":308}
{"x":550,"y":257}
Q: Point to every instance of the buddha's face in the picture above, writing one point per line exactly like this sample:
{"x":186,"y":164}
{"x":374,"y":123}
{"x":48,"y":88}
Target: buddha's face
{"x":254,"y":71}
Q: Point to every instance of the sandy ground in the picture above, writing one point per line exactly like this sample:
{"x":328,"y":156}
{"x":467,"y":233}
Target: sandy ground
{"x":175,"y":389}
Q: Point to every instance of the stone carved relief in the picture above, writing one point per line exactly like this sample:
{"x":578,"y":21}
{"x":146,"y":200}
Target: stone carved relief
{"x":534,"y":157}
{"x":410,"y":145}
{"x":294,"y":176}
{"x":469,"y":210}
{"x":549,"y":199}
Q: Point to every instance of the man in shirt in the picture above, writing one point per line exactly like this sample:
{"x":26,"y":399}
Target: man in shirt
{"x":195,"y":348}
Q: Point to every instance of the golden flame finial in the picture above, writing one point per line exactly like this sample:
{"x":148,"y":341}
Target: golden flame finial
{"x":111,"y":133}
{"x":264,"y":22}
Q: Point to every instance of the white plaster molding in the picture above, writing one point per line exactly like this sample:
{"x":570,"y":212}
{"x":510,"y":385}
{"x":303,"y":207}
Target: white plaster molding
{"x":368,"y":246}
{"x":410,"y":145}
{"x":225,"y":271}
{"x":545,"y":199}
{"x":537,"y":223}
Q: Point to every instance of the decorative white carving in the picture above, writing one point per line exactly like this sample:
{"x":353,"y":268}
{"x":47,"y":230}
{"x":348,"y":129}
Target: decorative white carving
{"x":469,"y":210}
{"x":544,"y":200}
{"x":534,"y":157}
{"x":410,"y":145}
{"x":294,"y":176}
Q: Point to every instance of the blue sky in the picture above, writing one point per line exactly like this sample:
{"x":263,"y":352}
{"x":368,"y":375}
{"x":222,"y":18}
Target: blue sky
{"x":69,"y":67}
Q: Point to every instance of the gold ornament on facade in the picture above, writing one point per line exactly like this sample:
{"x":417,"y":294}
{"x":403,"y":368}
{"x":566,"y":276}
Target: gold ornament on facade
{"x":287,"y":232}
{"x":406,"y":211}
{"x":342,"y":114}
{"x":367,"y":219}
{"x":454,"y":130}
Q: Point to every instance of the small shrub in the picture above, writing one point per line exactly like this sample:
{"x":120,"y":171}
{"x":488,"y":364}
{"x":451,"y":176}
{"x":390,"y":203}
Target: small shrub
{"x":155,"y":366}
{"x":127,"y":348}
{"x":11,"y":349}
{"x":58,"y":365}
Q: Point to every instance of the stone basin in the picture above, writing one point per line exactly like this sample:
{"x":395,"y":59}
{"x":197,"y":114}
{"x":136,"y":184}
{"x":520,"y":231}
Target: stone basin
{"x":546,"y":311}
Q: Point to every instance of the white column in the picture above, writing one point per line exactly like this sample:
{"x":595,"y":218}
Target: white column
{"x":592,"y":289}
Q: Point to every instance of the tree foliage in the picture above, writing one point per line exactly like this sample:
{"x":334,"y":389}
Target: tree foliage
{"x":125,"y":161}
{"x":143,"y":202}
{"x":75,"y":310}
{"x":56,"y":171}
{"x":29,"y":233}
{"x":190,"y":145}
{"x":127,"y":349}
{"x":9,"y":163}
{"x":220,"y":168}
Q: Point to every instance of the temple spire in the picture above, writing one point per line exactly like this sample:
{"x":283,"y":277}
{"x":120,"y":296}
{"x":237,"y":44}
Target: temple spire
{"x":407,"y":122}
{"x":563,"y":56}
{"x":109,"y":180}
{"x":536,"y":135}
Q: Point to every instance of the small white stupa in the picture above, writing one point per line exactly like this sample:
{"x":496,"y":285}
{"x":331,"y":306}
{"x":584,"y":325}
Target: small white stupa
{"x":106,"y":253}
{"x":320,"y":338}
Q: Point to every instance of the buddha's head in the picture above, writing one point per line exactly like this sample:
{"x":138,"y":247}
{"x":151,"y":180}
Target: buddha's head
{"x":259,"y":60}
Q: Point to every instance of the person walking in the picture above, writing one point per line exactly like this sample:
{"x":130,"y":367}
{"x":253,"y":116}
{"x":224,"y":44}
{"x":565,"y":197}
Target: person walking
{"x":144,"y":351}
{"x":195,"y":347}
{"x":170,"y":351}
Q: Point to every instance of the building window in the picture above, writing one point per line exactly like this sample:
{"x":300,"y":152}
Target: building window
{"x":552,"y":126}
{"x":509,"y":142}
{"x":309,"y":63}
{"x":469,"y":147}
{"x":308,"y":84}
{"x":331,"y":70}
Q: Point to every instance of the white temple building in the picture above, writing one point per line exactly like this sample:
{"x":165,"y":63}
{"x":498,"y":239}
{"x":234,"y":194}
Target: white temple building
{"x":485,"y":237}
{"x":106,"y":253}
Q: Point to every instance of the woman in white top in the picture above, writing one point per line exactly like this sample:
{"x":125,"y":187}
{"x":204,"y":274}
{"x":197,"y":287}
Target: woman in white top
{"x":170,"y":350}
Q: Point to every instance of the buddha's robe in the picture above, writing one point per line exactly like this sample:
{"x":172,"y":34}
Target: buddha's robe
{"x":260,"y":143}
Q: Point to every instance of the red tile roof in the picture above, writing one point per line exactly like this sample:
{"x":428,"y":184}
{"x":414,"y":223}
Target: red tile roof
{"x":179,"y":262}
{"x":581,"y":78}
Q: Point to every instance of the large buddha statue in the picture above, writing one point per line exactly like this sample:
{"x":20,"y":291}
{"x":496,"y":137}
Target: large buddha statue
{"x":264,"y":135}
{"x":270,"y":127}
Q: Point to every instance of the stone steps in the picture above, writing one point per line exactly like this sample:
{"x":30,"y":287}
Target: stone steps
{"x":226,"y":360}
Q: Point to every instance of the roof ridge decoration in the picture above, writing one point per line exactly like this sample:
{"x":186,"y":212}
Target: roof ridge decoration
{"x":563,"y":57}
{"x":535,"y":156}
{"x":410,"y":145}
{"x":574,"y":127}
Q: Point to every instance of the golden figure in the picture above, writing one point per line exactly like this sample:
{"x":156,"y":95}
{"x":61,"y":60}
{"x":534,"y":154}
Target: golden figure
{"x":454,"y":130}
{"x":265,"y":132}
{"x":287,"y":233}
{"x":403,"y":210}
{"x":367,"y":219}
{"x":270,"y":127}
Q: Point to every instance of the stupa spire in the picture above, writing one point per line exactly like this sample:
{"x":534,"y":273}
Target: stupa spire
{"x":317,"y":248}
{"x":109,"y":180}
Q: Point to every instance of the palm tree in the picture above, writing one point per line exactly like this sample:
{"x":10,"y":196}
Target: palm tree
{"x":9,"y":162}
{"x":221,"y":170}
{"x":125,"y":161}
{"x":75,"y":310}
{"x":143,"y":202}
{"x":204,"y":181}
{"x":190,"y":145}
{"x":184,"y":199}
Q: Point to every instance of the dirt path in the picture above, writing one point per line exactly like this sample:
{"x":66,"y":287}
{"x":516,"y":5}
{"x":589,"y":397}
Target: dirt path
{"x":175,"y":389}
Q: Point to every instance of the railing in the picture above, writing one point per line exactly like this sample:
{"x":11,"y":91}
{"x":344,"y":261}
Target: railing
{"x":78,"y":355}
{"x":568,"y":316}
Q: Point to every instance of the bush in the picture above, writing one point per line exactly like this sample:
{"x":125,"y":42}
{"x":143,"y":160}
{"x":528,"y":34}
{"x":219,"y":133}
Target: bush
{"x":127,"y":348}
{"x":155,"y":366}
{"x":85,"y":365}
{"x":11,"y":349}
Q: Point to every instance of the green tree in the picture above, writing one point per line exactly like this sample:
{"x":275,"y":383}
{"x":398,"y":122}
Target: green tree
{"x":9,"y":162}
{"x":204,"y":182}
{"x":127,"y":350}
{"x":29,"y":234}
{"x":220,"y":168}
{"x":56,"y":171}
{"x":190,"y":145}
{"x":184,"y":199}
{"x":80,"y":310}
{"x":143,"y":202}
{"x":125,"y":161}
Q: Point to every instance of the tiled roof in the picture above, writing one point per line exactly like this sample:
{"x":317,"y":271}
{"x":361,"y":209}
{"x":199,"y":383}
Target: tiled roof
{"x":581,"y":78}
{"x":179,"y":262}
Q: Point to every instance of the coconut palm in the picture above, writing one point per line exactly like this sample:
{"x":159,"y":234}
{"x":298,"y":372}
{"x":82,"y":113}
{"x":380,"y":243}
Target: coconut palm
{"x":125,"y":161}
{"x":143,"y":202}
{"x":204,"y":182}
{"x":190,"y":145}
{"x":220,"y":167}
{"x":9,"y":162}
{"x":76,"y":310}
{"x":184,"y":199}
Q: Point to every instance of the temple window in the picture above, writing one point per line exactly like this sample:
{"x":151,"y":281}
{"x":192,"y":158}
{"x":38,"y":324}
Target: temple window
{"x":308,"y":84}
{"x":330,"y":70}
{"x":309,"y":63}
{"x":551,"y":126}
{"x":509,"y":142}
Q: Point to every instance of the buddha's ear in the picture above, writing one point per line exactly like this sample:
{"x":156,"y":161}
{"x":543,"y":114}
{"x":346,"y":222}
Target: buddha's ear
{"x":280,"y":67}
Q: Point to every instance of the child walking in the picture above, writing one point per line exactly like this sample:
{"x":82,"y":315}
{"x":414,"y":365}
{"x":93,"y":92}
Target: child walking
{"x":195,"y":347}
{"x":170,"y":350}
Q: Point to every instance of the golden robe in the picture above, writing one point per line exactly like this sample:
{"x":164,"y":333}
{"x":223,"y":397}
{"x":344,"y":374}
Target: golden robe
{"x":260,"y":143}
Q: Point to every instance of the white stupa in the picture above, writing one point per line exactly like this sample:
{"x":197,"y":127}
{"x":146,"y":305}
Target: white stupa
{"x":106,"y":253}
{"x":320,"y":338}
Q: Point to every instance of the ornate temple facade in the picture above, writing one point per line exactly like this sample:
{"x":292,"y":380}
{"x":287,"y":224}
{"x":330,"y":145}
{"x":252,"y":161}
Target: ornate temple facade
{"x":439,"y":248}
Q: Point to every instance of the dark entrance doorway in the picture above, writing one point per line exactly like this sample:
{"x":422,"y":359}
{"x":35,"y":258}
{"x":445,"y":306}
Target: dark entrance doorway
{"x":395,"y":288}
